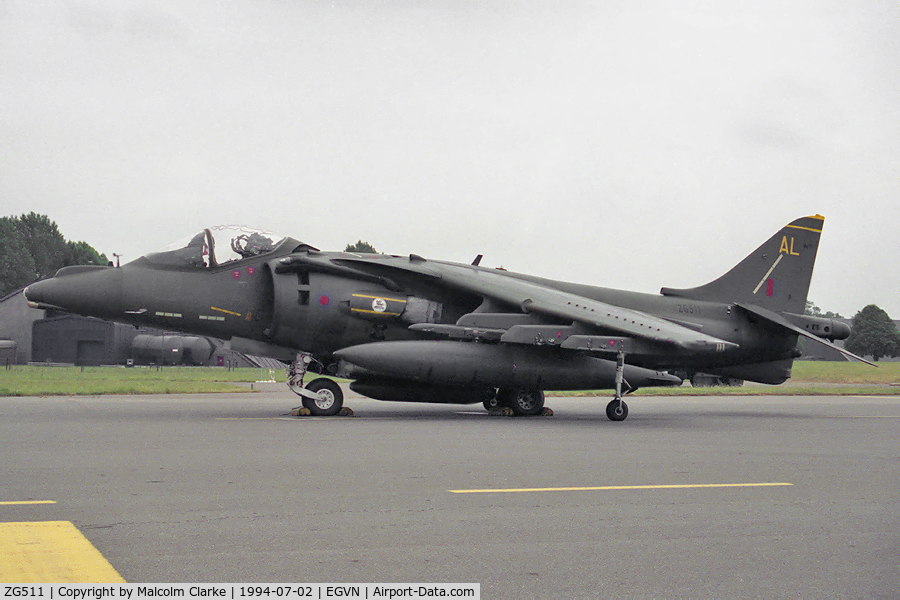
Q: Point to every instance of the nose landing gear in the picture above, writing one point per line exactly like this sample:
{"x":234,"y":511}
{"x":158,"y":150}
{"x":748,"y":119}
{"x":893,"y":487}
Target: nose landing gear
{"x":321,"y":396}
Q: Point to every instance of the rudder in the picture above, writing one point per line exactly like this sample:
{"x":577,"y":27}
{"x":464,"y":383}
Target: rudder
{"x":775,"y":276}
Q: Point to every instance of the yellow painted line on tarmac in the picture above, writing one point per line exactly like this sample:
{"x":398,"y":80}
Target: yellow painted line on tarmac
{"x":51,"y":552}
{"x":618,"y":487}
{"x":24,"y":502}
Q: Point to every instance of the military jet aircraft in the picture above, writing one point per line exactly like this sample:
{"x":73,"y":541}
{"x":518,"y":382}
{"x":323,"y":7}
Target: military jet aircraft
{"x":406,"y":328}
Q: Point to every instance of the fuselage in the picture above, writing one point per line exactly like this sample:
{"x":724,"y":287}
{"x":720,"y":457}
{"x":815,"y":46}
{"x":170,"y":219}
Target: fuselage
{"x":263,"y":298}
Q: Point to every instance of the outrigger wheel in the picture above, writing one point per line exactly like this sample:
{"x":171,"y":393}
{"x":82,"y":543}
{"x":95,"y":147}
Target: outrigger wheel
{"x":330,"y":397}
{"x":617,"y":410}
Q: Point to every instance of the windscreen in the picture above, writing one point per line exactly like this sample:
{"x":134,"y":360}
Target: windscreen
{"x":192,"y":251}
{"x":217,"y":246}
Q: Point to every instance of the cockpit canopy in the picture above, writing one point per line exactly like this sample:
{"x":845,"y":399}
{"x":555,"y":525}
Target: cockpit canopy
{"x":218,"y":246}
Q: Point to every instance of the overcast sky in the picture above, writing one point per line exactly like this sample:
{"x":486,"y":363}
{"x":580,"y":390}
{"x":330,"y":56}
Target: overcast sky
{"x":625,"y":144}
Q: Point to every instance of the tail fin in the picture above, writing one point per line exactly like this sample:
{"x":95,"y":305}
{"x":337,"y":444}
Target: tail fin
{"x":775,"y":276}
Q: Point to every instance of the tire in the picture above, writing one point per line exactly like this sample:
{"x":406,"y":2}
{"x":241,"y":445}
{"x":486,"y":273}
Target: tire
{"x":330,"y":400}
{"x":617,"y":411}
{"x":491,"y":403}
{"x":523,"y":402}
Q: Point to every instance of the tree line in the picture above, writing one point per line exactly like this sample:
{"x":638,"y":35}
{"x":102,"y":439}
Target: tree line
{"x":872,"y":332}
{"x":32,"y":248}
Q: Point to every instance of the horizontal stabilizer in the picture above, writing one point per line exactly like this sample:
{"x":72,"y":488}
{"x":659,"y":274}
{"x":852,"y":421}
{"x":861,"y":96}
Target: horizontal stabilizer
{"x":777,"y":319}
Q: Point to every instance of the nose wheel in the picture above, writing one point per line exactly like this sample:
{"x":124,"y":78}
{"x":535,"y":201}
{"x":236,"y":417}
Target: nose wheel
{"x":321,"y":396}
{"x":329,"y":397}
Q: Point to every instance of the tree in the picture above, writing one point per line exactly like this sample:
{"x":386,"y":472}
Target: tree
{"x":17,"y":267}
{"x":874,"y":333}
{"x":44,"y":243}
{"x":361,"y":247}
{"x":81,"y":253}
{"x":814,"y":311}
{"x":32,"y":248}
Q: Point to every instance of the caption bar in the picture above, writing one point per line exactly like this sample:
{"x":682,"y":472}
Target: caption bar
{"x":262,"y":591}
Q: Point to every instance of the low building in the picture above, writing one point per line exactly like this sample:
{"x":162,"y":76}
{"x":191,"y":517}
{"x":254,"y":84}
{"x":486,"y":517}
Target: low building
{"x":83,"y":341}
{"x":16,"y":318}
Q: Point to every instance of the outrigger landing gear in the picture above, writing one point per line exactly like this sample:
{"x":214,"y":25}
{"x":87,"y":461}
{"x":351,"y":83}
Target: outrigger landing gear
{"x":321,"y":396}
{"x":617,"y":410}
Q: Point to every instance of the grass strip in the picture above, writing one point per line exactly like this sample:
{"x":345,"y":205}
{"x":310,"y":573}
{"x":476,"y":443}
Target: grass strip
{"x":93,"y":381}
{"x":809,"y":378}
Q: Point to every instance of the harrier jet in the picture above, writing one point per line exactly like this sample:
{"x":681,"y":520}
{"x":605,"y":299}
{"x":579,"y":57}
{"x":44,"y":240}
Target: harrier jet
{"x":411,"y":329}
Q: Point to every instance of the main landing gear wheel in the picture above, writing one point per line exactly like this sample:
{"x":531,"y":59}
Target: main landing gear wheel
{"x":617,"y":410}
{"x":330,"y":397}
{"x":523,"y":402}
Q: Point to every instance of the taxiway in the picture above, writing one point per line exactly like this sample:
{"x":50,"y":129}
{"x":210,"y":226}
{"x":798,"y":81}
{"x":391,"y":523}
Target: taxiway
{"x":228,"y":488}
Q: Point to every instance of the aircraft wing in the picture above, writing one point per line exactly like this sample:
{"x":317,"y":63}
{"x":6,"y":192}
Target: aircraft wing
{"x":533,"y":297}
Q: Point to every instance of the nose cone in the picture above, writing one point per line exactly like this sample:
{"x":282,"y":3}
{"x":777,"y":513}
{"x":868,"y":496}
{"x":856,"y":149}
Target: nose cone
{"x":91,"y":291}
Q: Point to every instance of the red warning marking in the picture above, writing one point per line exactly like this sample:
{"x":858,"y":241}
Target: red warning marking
{"x":770,"y":287}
